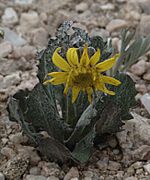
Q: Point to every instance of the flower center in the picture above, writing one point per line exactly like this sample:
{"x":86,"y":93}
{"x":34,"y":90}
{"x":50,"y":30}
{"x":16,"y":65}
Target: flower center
{"x":83,"y":80}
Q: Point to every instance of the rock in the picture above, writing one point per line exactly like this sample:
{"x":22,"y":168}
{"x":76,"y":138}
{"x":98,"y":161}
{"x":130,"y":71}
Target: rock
{"x":26,"y":51}
{"x":141,"y":153}
{"x":33,"y":177}
{"x":145,"y":99}
{"x":7,"y":67}
{"x":52,"y":178}
{"x":137,"y":165}
{"x":5,"y":49}
{"x":10,"y":17}
{"x":135,"y":135}
{"x":102,"y":164}
{"x":49,"y":169}
{"x":146,"y":76}
{"x":144,"y":25}
{"x":116,"y":24}
{"x":2,"y":177}
{"x":114,"y":166}
{"x":147,"y":168}
{"x":30,"y":152}
{"x":35,"y":170}
{"x":133,"y":16}
{"x":15,"y":167}
{"x":4,"y":141}
{"x":130,"y":171}
{"x":24,"y":3}
{"x":145,"y":6}
{"x":108,"y":6}
{"x":28,"y":21}
{"x":121,"y":1}
{"x":10,"y":80}
{"x":139,"y":68}
{"x":141,"y":88}
{"x":39,"y":37}
{"x":81,"y":7}
{"x":131,"y":178}
{"x":73,"y":173}
{"x":87,"y":178}
{"x":13,"y":37}
{"x":8,"y":152}
{"x":18,"y":138}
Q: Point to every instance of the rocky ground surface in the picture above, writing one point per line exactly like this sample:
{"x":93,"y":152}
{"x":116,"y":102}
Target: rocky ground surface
{"x":27,"y":25}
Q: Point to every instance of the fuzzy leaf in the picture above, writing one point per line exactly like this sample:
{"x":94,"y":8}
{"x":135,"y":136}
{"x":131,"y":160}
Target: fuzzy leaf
{"x":39,"y":111}
{"x":54,"y":150}
{"x":83,"y":149}
{"x":118,"y":105}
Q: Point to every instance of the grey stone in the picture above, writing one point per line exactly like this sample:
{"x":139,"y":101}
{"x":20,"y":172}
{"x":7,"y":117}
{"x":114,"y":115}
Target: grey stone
{"x":144,"y":25}
{"x":10,"y":17}
{"x":14,"y":168}
{"x":108,"y":6}
{"x":116,"y":24}
{"x":39,"y":37}
{"x":146,"y":76}
{"x":52,"y":178}
{"x":131,"y":178}
{"x":28,"y":21}
{"x":5,"y":49}
{"x":145,"y":99}
{"x":7,"y":67}
{"x":25,"y":2}
{"x":72,"y":173}
{"x":137,"y":165}
{"x":81,"y":7}
{"x":114,"y":166}
{"x":10,"y":80}
{"x":18,"y":138}
{"x":8,"y":152}
{"x":35,"y":170}
{"x":13,"y":37}
{"x":147,"y":168}
{"x":145,"y":6}
{"x":139,"y":68}
{"x":102,"y":164}
{"x":26,"y":51}
{"x":33,"y":177}
{"x":2,"y":177}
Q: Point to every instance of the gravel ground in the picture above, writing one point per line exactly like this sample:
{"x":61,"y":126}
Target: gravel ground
{"x":27,"y":25}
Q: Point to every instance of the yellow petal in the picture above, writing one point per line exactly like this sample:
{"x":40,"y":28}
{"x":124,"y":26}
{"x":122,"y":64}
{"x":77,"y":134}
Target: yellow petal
{"x":89,"y":92}
{"x":95,"y":58}
{"x":58,"y":74}
{"x":107,"y":64}
{"x":110,"y":80}
{"x":56,"y":81}
{"x":84,"y":61}
{"x":60,"y":62}
{"x":75,"y":93}
{"x":67,"y":86}
{"x":102,"y":87}
{"x":72,"y":56}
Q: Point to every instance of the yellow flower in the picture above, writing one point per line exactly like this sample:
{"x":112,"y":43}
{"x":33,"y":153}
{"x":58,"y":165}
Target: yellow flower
{"x":82,"y":74}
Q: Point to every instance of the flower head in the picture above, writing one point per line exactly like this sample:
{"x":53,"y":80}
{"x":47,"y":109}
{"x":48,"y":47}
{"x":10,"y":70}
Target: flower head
{"x":82,"y":74}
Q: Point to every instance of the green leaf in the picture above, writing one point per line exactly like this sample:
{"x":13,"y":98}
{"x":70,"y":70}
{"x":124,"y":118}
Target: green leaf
{"x":83,"y":149}
{"x":40,"y":112}
{"x":107,"y":112}
{"x":54,"y":150}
